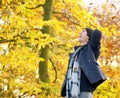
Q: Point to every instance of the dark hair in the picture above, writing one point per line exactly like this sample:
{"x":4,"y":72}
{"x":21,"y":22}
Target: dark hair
{"x":89,"y":32}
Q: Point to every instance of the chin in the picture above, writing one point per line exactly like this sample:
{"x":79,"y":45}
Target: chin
{"x":80,"y":41}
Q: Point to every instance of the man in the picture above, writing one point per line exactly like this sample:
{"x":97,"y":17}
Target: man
{"x":84,"y":73}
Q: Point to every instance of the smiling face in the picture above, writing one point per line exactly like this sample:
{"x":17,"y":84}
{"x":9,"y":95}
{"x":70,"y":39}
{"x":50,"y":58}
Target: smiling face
{"x":83,"y":39}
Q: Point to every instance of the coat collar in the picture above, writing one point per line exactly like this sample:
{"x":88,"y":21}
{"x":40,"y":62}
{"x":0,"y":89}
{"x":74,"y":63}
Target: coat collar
{"x":75,"y":48}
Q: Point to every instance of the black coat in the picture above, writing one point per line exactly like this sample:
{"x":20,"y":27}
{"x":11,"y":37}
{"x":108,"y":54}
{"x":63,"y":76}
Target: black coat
{"x":87,"y":58}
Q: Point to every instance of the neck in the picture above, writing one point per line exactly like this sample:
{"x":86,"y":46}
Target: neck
{"x":83,"y":43}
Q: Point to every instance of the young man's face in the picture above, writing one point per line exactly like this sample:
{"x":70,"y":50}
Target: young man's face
{"x":83,"y":36}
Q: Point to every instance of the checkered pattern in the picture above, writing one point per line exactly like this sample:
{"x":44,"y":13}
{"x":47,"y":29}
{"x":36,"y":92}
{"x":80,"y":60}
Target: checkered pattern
{"x":73,"y":77}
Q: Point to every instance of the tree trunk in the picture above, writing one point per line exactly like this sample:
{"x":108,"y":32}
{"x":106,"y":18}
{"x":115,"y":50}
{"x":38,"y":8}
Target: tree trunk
{"x":0,"y":3}
{"x":44,"y":52}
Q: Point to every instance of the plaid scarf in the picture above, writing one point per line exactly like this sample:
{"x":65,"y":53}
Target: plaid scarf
{"x":73,"y":77}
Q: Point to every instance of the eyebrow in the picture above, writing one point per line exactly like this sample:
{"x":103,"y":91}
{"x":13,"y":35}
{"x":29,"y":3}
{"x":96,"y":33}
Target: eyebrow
{"x":83,"y":29}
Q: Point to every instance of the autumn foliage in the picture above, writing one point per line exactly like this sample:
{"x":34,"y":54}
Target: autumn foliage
{"x":25,"y":32}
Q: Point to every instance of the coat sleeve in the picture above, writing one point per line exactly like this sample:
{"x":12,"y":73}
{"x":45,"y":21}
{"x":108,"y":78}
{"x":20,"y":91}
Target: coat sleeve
{"x":95,"y":42}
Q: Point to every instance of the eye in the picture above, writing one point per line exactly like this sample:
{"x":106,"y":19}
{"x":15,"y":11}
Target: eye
{"x":83,"y":30}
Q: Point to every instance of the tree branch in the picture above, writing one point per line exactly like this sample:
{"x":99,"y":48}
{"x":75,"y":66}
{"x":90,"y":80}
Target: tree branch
{"x":39,"y":5}
{"x":54,"y":69}
{"x":67,"y":17}
{"x":23,"y":94}
{"x":5,"y":41}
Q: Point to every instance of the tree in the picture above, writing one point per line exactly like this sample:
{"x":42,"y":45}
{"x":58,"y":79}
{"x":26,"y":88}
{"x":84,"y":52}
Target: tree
{"x":29,"y":33}
{"x":43,"y":69}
